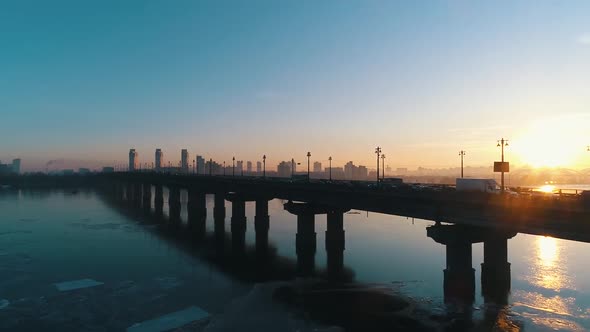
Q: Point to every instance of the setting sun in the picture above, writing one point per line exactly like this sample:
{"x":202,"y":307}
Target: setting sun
{"x":552,"y":142}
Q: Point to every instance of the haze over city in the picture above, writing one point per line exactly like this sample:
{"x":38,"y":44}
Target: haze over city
{"x":88,"y":81}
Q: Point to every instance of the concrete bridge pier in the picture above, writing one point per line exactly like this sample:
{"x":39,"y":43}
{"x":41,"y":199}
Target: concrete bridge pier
{"x":305,"y":239}
{"x":137,"y":188}
{"x":495,"y":269}
{"x":335,"y":242}
{"x":238,"y":225}
{"x":174,"y":205}
{"x":262,"y":225}
{"x":129,"y":192}
{"x":159,"y":201}
{"x":147,"y":197}
{"x":305,"y":243}
{"x":118,"y":191}
{"x":219,"y":213}
{"x":459,"y":275}
{"x":197,"y":211}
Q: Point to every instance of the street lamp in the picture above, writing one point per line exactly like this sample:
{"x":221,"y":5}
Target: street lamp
{"x":330,"y":169}
{"x":193,"y":166}
{"x":502,"y":143}
{"x":383,"y":168}
{"x":210,"y":165}
{"x":264,"y":166}
{"x":224,"y":168}
{"x":233,"y":166}
{"x":292,"y":166}
{"x":378,"y":152}
{"x":462,"y":154}
{"x":308,"y":155}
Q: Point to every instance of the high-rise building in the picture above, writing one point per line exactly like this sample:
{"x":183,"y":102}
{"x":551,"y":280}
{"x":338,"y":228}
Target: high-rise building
{"x":133,"y":160}
{"x":184,"y":160}
{"x":294,"y":165}
{"x":284,"y":169}
{"x":258,"y":167}
{"x":317,"y":167}
{"x":239,"y":167}
{"x":159,"y":159}
{"x":200,"y":165}
{"x":249,"y":167}
{"x":16,"y":166}
{"x":349,"y":171}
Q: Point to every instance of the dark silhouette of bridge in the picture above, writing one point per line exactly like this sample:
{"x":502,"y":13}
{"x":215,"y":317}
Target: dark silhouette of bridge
{"x":462,"y":219}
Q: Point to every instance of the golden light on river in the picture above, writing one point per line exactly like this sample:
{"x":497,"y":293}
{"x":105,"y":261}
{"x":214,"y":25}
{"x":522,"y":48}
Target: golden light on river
{"x":547,"y":251}
{"x":548,"y":269}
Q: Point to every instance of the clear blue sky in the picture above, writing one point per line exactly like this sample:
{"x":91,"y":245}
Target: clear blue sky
{"x":423,"y":79}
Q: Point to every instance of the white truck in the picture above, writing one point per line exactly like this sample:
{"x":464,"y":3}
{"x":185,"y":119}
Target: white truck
{"x":478,"y":185}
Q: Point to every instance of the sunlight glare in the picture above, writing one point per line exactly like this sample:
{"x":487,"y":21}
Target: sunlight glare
{"x":552,"y":142}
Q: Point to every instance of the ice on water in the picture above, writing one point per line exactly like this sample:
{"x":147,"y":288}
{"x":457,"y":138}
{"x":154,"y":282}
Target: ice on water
{"x":76,"y":284}
{"x":170,"y":321}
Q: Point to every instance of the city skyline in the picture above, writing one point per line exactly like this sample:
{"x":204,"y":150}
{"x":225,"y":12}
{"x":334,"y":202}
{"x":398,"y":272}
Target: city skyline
{"x":88,"y":82}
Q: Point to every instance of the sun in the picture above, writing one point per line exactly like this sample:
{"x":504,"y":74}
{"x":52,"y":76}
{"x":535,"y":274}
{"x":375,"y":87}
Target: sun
{"x":552,"y":142}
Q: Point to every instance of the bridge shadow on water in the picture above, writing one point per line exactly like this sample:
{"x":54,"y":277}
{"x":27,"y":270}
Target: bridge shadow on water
{"x":334,"y":296}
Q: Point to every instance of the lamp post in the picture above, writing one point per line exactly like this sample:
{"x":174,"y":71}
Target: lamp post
{"x":383,"y":168}
{"x":193,"y":166}
{"x":308,"y":155}
{"x":264,"y":166}
{"x":502,"y":143}
{"x":224,"y":168}
{"x":330,"y":169}
{"x":233,"y":166}
{"x":292,"y":167}
{"x":378,"y":152}
{"x":210,"y":165}
{"x":462,"y":154}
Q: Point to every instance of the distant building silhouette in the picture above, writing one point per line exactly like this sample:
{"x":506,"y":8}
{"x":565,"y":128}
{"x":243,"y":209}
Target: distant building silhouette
{"x":249,"y":167}
{"x":159,"y":159}
{"x":353,"y":172}
{"x":16,"y":166}
{"x":284,"y":169}
{"x":133,"y":160}
{"x":184,"y":160}
{"x":258,"y":167}
{"x":317,"y":167}
{"x":200,"y":165}
{"x":108,"y":169}
{"x":239,"y":167}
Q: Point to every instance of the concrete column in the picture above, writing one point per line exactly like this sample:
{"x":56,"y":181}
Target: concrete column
{"x":335,"y":242}
{"x":129,"y":192}
{"x":495,"y":270}
{"x":197,"y":211}
{"x":119,"y":191}
{"x":261,"y":225}
{"x":137,"y":187}
{"x":147,"y":197}
{"x":459,"y":276}
{"x":238,"y":225}
{"x":159,"y":201}
{"x":174,"y":204}
{"x":219,"y":206}
{"x":305,"y":242}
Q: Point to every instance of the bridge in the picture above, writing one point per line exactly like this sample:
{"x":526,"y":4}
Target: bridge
{"x":461,"y":218}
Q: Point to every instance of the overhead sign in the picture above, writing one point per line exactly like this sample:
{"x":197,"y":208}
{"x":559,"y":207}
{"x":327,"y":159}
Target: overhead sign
{"x":501,"y":166}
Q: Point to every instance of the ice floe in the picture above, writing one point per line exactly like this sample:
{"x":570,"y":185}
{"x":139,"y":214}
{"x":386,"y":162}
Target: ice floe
{"x":76,"y":284}
{"x":170,"y":321}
